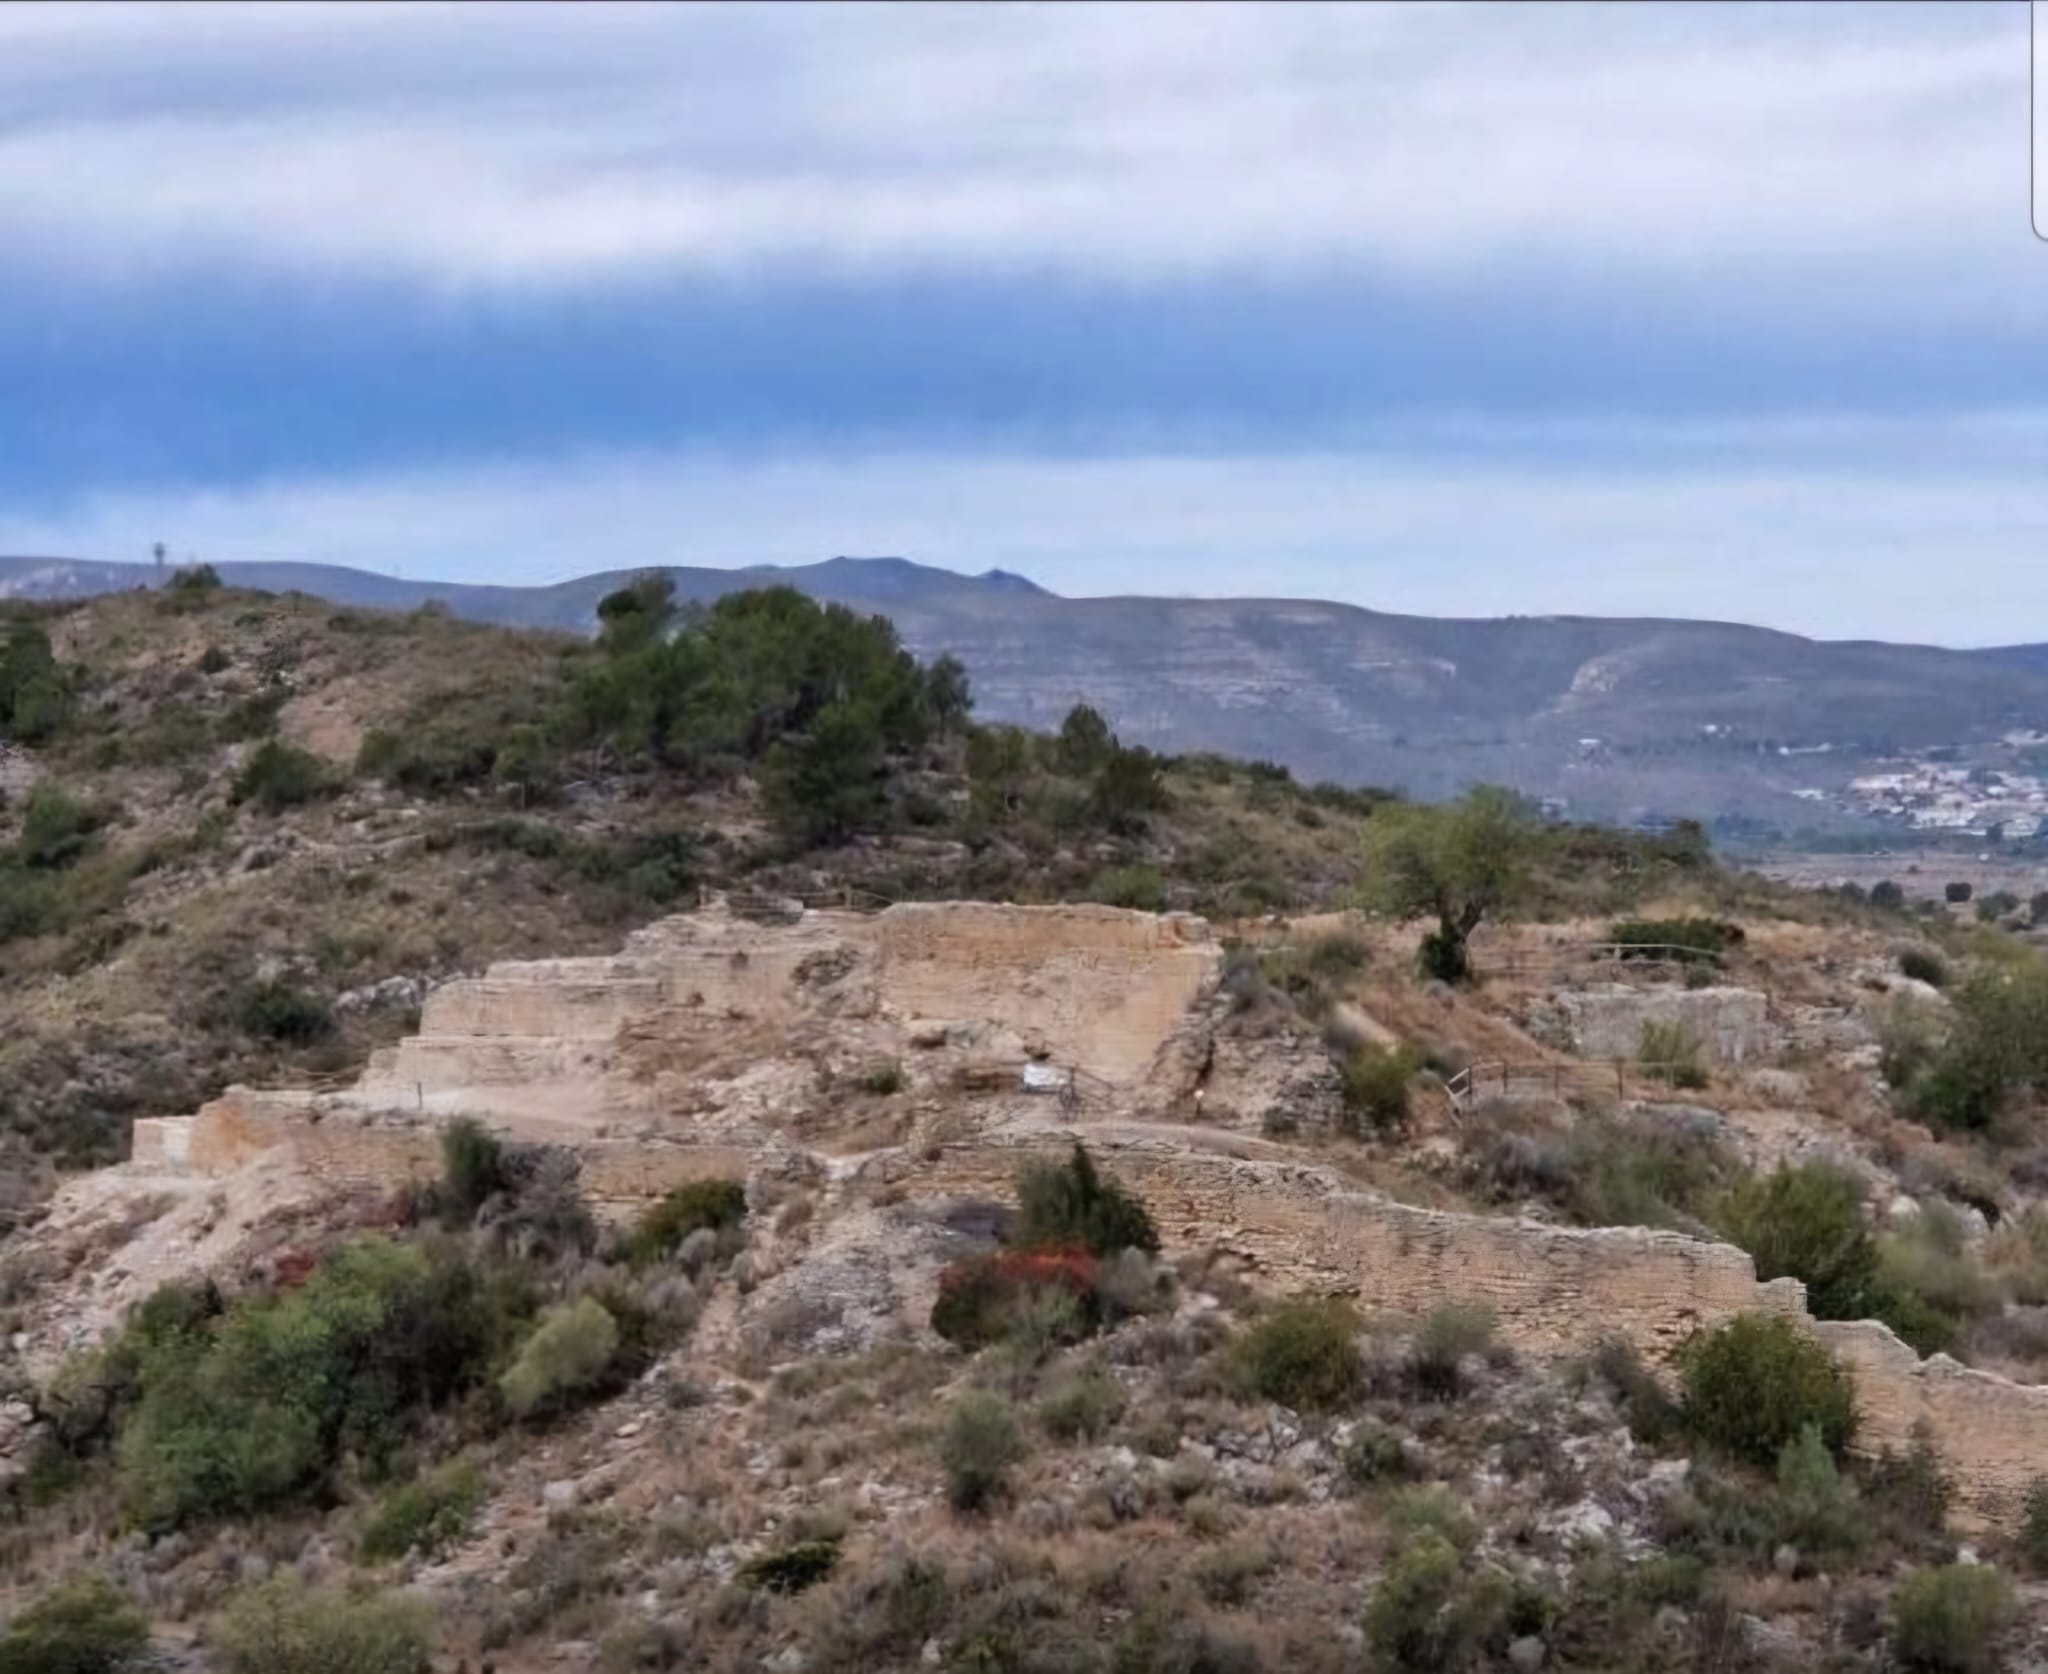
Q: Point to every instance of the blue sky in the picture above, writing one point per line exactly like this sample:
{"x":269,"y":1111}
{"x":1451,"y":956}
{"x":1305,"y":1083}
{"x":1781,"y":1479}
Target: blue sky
{"x":1722,"y":311}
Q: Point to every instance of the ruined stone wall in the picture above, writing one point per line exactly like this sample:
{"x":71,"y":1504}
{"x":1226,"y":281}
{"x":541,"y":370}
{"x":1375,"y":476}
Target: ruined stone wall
{"x":565,"y":999}
{"x":1732,"y":1024}
{"x":1554,"y":1289}
{"x":340,"y":1151}
{"x":1098,"y":987}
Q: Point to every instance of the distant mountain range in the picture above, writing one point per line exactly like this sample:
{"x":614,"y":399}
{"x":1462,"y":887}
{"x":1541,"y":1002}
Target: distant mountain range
{"x":1616,"y":718}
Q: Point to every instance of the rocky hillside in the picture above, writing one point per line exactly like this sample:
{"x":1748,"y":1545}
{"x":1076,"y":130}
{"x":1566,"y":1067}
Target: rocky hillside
{"x":1616,"y":718}
{"x":242,"y":835}
{"x":693,"y":1153}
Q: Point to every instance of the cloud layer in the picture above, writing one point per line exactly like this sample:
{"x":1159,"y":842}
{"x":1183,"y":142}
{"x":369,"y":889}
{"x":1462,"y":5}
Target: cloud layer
{"x":547,"y":146}
{"x":1713,"y":309}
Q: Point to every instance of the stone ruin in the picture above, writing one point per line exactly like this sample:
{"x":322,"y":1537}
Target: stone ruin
{"x":714,"y":1045}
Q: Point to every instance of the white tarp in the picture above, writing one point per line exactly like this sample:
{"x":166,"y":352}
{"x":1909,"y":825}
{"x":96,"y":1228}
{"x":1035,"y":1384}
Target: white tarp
{"x":1047,"y":1078}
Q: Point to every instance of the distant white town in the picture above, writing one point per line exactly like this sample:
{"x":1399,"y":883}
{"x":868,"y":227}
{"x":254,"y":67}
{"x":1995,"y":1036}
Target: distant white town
{"x":1974,"y":801}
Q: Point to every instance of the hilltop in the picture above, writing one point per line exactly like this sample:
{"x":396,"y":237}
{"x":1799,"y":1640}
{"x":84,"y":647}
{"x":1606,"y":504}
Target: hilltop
{"x":1614,"y":719}
{"x":688,"y":1149}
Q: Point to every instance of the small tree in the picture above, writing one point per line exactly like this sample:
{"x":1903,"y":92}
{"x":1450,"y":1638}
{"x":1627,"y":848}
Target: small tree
{"x":950,"y":695}
{"x":830,"y":781}
{"x":1887,"y":895}
{"x":1073,"y":1206}
{"x":1084,"y":740}
{"x":1457,"y":862}
{"x":1955,"y":894}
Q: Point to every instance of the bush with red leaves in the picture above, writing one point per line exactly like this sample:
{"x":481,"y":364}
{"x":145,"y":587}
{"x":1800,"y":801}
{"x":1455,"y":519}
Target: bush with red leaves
{"x":980,"y":1296}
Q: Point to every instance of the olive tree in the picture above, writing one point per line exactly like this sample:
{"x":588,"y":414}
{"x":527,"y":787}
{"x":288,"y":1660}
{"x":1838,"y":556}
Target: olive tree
{"x":1458,"y":861}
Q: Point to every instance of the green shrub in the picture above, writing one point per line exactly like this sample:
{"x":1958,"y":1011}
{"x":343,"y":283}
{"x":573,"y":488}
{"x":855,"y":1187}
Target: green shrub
{"x":281,"y":1012}
{"x":1071,"y":1206}
{"x":472,"y":1167}
{"x":1083,"y":1407}
{"x":1604,"y":1171}
{"x":285,"y":1627}
{"x":279,"y":775}
{"x":1303,"y":1354}
{"x":1806,"y":1222}
{"x":1139,"y":887}
{"x":55,"y":829}
{"x":1702,"y":940}
{"x":791,"y":1570}
{"x":1956,"y":893}
{"x":982,"y":1441}
{"x":254,"y":1408}
{"x":1158,"y":1640}
{"x":1997,"y":1048}
{"x":1670,"y":1053}
{"x":1375,"y":1083}
{"x":1449,"y":1334}
{"x":1908,"y":1044}
{"x":35,"y":693}
{"x":1373,"y":1453}
{"x":1339,"y":954}
{"x":1818,"y":1509}
{"x":254,"y":716}
{"x":1755,"y":1383}
{"x":1949,"y":1620}
{"x":1432,"y":1613}
{"x":882,"y":1078}
{"x":1888,"y":895}
{"x":700,"y":1205}
{"x":85,"y":1625}
{"x":1924,"y":965}
{"x":1929,"y":1287}
{"x":568,"y":1352}
{"x":423,"y":1515}
{"x":193,"y":579}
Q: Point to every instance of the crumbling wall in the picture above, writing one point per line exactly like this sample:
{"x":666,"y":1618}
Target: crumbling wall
{"x":1097,"y":987}
{"x":1553,"y":1289}
{"x":340,"y":1150}
{"x":564,"y":999}
{"x":1732,"y":1024}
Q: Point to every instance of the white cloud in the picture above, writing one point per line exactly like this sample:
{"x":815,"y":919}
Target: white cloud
{"x":1820,"y":537}
{"x":553,"y":145}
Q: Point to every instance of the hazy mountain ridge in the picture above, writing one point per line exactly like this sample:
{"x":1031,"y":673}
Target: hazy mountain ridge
{"x":1617,"y":715}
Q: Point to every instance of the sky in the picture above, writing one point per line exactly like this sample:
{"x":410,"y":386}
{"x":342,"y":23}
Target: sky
{"x":1723,"y":311}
